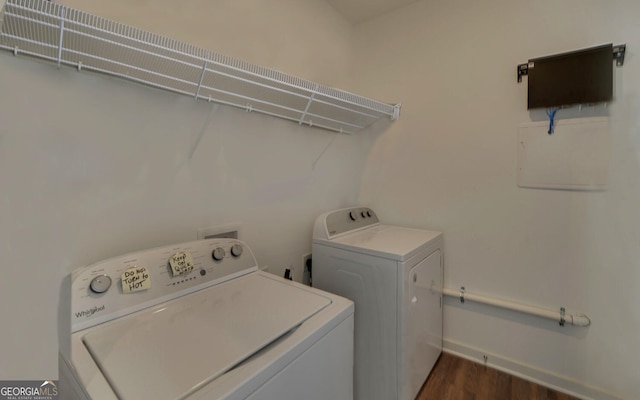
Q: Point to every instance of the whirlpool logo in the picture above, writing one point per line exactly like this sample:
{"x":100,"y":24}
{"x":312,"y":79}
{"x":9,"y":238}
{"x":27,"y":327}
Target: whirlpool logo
{"x":89,"y":312}
{"x":28,"y":390}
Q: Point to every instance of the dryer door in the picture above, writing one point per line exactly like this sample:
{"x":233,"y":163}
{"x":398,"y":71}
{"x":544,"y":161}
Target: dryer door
{"x":421,"y":323}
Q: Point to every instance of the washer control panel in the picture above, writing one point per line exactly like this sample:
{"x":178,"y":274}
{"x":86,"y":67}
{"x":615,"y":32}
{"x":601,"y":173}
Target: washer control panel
{"x":334,"y":223}
{"x":121,"y":285}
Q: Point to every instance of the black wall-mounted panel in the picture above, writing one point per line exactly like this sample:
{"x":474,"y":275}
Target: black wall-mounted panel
{"x":579,"y":77}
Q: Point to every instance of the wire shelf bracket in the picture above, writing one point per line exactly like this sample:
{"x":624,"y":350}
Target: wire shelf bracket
{"x":71,"y":37}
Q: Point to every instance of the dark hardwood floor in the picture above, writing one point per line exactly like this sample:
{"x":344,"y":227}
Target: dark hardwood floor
{"x":455,"y":378}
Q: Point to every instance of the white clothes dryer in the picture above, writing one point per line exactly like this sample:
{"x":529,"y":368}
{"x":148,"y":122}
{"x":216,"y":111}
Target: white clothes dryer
{"x":394,"y":275}
{"x":199,"y":321}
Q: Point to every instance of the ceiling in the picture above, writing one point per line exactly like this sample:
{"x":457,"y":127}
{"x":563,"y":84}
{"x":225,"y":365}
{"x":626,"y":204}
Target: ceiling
{"x":358,"y":11}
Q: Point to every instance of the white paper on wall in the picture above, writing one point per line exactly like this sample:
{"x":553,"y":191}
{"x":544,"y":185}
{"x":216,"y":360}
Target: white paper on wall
{"x":575,"y":156}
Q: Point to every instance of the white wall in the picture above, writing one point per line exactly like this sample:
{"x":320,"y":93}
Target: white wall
{"x":449,"y":163}
{"x":92,"y":167}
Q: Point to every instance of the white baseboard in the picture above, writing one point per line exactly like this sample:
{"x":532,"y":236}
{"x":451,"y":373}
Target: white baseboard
{"x":542,"y":377}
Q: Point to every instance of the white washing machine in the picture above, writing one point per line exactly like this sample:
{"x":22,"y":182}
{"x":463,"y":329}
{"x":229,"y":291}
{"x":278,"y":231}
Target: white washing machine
{"x":394,"y":275}
{"x":198,"y":320}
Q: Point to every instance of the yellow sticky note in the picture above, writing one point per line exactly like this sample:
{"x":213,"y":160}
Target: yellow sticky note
{"x":181,"y":263}
{"x":135,"y":279}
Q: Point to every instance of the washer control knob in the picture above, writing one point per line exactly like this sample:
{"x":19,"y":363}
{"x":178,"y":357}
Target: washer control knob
{"x":369,"y":214}
{"x":218,"y":254}
{"x":353,"y":215}
{"x":364,"y":214}
{"x":236,"y":250}
{"x":100,"y":284}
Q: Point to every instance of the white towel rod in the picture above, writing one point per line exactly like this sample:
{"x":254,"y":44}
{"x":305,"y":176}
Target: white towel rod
{"x":560,"y":315}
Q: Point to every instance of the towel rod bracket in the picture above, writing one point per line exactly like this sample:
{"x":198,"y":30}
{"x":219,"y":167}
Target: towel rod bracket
{"x":618,"y":54}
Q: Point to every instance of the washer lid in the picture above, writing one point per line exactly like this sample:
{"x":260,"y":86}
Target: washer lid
{"x":172,"y":350}
{"x":392,"y":242}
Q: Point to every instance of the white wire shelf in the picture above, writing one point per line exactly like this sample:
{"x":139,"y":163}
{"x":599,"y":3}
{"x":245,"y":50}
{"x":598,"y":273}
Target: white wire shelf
{"x":71,"y":37}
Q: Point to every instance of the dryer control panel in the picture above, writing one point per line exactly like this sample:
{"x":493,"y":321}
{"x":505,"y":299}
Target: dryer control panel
{"x":125,"y":284}
{"x":334,"y":223}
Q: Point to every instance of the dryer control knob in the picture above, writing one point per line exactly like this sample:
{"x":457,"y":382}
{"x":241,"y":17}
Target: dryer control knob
{"x":236,"y":250}
{"x":353,"y":215}
{"x":100,"y":284}
{"x":218,"y":253}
